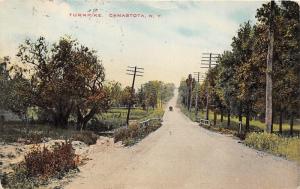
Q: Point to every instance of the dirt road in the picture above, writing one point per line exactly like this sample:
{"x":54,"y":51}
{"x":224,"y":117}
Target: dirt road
{"x":182,"y":155}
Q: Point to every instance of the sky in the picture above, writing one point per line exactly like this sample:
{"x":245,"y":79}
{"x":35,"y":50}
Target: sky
{"x":168,"y":45}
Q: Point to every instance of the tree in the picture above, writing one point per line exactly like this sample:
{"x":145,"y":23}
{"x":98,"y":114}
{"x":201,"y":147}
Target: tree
{"x":91,"y":96}
{"x":227,"y":83}
{"x":126,"y":96}
{"x":66,"y":77}
{"x":12,"y":90}
{"x":286,"y":56}
{"x":248,"y":72}
{"x":190,"y":82}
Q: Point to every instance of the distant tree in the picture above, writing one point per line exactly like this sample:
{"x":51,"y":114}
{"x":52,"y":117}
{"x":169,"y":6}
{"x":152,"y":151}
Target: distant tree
{"x":127,"y":97}
{"x":190,"y":83}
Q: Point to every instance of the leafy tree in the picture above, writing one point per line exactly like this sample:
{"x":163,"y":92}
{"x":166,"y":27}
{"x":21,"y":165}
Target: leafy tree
{"x":128,"y":96}
{"x":66,"y":77}
{"x":227,"y":84}
{"x":12,"y":95}
{"x":190,"y":82}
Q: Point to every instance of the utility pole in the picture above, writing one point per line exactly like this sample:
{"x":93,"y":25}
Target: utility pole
{"x":268,"y":119}
{"x":208,"y":59}
{"x":135,"y":71}
{"x":197,"y":76}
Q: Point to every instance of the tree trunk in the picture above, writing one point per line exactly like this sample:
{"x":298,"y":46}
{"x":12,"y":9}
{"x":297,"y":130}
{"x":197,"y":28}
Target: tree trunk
{"x":215,"y":118}
{"x":272,"y":129}
{"x":83,"y":120}
{"x":292,"y":125}
{"x":280,"y":120}
{"x":61,"y":120}
{"x":247,"y":121}
{"x":221,"y":116}
{"x":240,"y":113}
{"x":228,"y":118}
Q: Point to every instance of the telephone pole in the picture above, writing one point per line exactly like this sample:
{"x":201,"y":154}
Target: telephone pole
{"x":135,"y":71}
{"x":268,"y":118}
{"x":197,"y":76}
{"x":208,"y":60}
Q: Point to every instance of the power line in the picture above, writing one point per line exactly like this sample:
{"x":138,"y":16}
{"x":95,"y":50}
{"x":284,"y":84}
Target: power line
{"x":132,"y":71}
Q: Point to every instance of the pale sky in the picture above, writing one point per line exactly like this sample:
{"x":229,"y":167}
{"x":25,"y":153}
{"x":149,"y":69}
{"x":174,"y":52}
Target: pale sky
{"x":168,"y":46}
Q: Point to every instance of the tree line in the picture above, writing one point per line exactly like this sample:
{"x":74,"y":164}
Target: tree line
{"x":67,"y":79}
{"x":236,"y":86}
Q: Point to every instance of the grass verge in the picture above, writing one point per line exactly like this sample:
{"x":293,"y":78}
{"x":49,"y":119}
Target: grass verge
{"x":274,"y":144}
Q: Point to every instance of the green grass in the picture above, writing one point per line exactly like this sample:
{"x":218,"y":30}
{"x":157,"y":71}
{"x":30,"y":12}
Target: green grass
{"x":272,"y":143}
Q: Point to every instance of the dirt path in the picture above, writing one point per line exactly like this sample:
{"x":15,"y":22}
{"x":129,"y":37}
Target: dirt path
{"x":182,"y":155}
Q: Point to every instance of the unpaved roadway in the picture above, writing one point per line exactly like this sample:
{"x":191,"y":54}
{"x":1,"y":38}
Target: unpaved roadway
{"x":182,"y":155}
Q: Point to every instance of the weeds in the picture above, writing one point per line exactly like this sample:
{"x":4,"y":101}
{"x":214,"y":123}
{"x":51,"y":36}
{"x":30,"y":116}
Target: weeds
{"x":134,"y":133}
{"x":41,"y":164}
{"x":272,"y":143}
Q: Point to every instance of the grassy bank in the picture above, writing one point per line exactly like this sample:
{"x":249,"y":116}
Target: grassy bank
{"x":135,"y":132}
{"x":255,"y":125}
{"x":272,"y":143}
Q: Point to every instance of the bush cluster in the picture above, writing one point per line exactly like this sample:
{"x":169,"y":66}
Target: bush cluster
{"x":42,"y":162}
{"x":282,"y":146}
{"x":133,"y":133}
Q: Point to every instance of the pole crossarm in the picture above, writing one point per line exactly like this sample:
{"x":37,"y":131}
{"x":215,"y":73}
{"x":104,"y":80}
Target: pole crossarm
{"x":132,"y":71}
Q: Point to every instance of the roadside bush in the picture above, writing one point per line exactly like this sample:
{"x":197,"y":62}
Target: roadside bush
{"x":286,"y":147}
{"x":42,"y":162}
{"x":133,"y":133}
{"x":121,"y":134}
{"x":88,"y":137}
{"x":40,"y":165}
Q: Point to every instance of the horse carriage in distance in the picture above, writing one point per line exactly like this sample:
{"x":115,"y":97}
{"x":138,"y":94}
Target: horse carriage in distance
{"x":170,"y":108}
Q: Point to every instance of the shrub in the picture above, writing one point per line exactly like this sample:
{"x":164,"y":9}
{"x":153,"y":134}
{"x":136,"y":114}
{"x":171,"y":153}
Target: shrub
{"x":263,"y":141}
{"x":39,"y":165}
{"x":286,"y":147}
{"x":121,"y":134}
{"x":42,"y":162}
{"x":133,"y":133}
{"x":88,"y":137}
{"x":19,"y":179}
